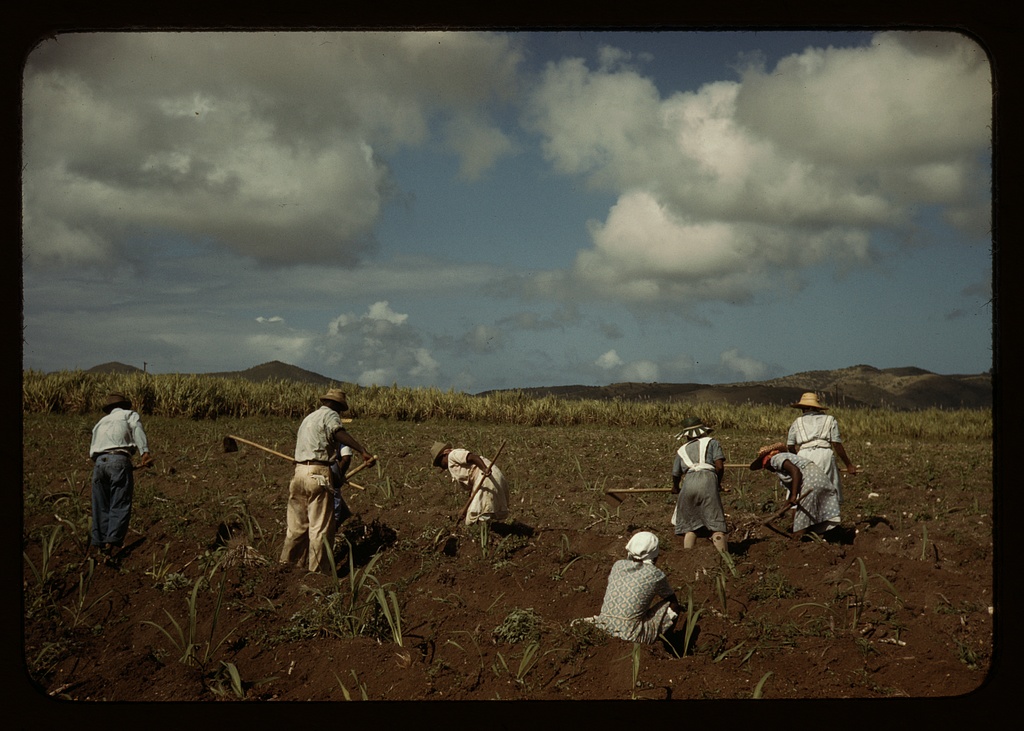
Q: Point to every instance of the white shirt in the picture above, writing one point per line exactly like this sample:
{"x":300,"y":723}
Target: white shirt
{"x":120,"y":429}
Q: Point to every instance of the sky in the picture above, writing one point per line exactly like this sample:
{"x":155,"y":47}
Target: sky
{"x":488,"y":210}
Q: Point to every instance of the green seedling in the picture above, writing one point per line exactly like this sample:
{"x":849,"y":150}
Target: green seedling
{"x":48,"y":544}
{"x":691,"y":621}
{"x":495,"y":601}
{"x":160,"y":568}
{"x":725,"y":653}
{"x":360,"y":686}
{"x":634,"y":656}
{"x":391,"y":613}
{"x":730,"y":563}
{"x":759,"y":690}
{"x":720,"y":590}
{"x":81,"y":608}
{"x":185,"y":640}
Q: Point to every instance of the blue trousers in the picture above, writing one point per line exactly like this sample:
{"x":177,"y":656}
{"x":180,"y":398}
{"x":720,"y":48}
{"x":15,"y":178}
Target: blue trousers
{"x":341,"y":510}
{"x":113,"y":484}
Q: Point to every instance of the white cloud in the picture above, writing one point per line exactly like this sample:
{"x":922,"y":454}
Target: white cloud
{"x":483,"y":339}
{"x":277,"y":151}
{"x":800,"y":164}
{"x":748,"y":369}
{"x":640,"y":371}
{"x":286,"y":348}
{"x":380,"y":346}
{"x":609,"y":360}
{"x":270,"y":319}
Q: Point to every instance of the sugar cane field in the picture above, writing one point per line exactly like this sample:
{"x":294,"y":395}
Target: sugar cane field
{"x":897,"y":603}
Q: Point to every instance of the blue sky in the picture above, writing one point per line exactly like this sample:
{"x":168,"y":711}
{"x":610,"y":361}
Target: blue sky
{"x":498,"y":210}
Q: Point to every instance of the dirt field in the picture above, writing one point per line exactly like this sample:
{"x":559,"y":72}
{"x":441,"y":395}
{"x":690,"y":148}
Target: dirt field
{"x":899,"y":603}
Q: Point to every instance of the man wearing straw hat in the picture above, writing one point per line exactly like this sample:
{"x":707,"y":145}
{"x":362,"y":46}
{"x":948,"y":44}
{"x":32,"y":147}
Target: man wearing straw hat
{"x":310,"y":493}
{"x":115,"y":438}
{"x":815,"y":436}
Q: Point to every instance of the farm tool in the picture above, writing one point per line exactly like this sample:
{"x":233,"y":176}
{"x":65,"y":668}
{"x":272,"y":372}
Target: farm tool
{"x":231,"y":445}
{"x":450,"y":543}
{"x":613,"y":495}
{"x":769,"y":522}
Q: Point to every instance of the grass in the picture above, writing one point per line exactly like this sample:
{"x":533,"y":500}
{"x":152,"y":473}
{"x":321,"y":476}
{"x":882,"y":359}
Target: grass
{"x":759,"y":689}
{"x":198,"y":397}
{"x":49,"y":542}
{"x":527,"y":660}
{"x":518,"y":625}
{"x":361,"y":687}
{"x":82,"y":606}
{"x":634,"y":669}
{"x":185,"y":639}
{"x":691,"y":621}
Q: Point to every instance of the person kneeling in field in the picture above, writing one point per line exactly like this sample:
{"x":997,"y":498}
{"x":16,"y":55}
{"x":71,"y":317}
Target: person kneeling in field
{"x":489,"y":491}
{"x":699,"y":464}
{"x":633,"y":583}
{"x":818,"y":508}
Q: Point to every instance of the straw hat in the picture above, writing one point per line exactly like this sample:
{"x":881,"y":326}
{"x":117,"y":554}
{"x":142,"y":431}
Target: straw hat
{"x":337,"y":396}
{"x":694,"y":428}
{"x":765,"y":451}
{"x":436,"y":450}
{"x":809,"y":401}
{"x":116,"y":399}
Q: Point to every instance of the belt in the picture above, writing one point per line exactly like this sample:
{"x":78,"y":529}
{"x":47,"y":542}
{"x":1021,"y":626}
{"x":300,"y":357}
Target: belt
{"x":115,"y":452}
{"x":316,"y":462}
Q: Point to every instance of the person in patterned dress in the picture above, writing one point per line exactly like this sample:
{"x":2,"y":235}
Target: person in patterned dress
{"x":699,"y":465}
{"x":818,"y":510}
{"x":633,"y":583}
{"x":815,"y":435}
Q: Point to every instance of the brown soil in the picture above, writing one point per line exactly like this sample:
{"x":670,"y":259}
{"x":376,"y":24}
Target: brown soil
{"x":898,"y":603}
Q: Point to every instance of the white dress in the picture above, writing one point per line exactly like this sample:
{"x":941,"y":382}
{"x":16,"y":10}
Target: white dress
{"x":491,"y":501}
{"x":813,"y":434}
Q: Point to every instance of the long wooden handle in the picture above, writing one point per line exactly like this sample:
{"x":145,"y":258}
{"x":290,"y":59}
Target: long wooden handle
{"x":780,"y":513}
{"x":260,"y":446}
{"x":638,"y":489}
{"x":361,"y":467}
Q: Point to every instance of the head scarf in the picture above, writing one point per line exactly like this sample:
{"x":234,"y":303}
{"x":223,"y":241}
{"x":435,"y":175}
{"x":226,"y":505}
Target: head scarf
{"x":643,"y":547}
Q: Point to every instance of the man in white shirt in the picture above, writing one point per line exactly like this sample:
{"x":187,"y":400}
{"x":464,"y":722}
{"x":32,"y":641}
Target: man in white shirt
{"x":115,"y":439}
{"x":310,"y":493}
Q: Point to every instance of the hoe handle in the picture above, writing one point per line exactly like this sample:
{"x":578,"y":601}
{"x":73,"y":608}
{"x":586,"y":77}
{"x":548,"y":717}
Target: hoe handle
{"x":361,"y":467}
{"x":465,"y":508}
{"x":260,"y":446}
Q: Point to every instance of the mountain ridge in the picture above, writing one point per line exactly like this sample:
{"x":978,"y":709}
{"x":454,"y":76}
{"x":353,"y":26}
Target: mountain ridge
{"x":904,"y":388}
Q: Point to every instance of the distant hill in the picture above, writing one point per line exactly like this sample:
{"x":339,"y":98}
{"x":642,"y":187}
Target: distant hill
{"x":277,"y":370}
{"x":114,"y":367}
{"x":903,"y":389}
{"x":858,"y":386}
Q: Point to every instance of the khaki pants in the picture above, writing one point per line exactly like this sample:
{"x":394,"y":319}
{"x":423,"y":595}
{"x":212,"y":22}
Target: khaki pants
{"x":310,"y":518}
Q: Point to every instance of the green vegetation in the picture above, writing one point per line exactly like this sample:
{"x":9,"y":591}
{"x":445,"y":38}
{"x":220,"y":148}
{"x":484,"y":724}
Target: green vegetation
{"x":210,"y":397}
{"x":518,"y":625}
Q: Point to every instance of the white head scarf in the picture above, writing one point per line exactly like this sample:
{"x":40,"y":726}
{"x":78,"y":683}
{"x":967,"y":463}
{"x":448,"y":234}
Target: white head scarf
{"x":643,"y":546}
